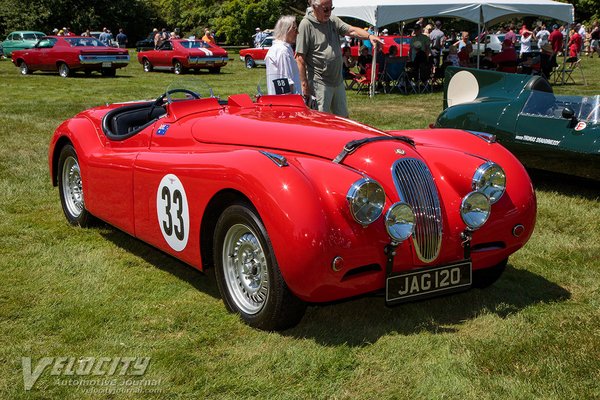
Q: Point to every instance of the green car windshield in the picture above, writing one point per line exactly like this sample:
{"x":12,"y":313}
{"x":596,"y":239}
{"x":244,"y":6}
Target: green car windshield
{"x":543,"y":104}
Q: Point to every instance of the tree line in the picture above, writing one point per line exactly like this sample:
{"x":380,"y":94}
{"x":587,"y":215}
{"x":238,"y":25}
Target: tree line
{"x":233,"y":21}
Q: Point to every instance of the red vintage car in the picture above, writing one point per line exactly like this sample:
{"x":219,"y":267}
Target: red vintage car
{"x":181,"y":55}
{"x":69,"y":54}
{"x":402,"y":44}
{"x":291,"y":205}
{"x":256,"y":55}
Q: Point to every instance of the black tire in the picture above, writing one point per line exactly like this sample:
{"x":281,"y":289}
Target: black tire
{"x":178,"y":67}
{"x":148,"y":67}
{"x":214,"y":70}
{"x":64,"y":70}
{"x":109,"y":72}
{"x":486,"y":277}
{"x":249,"y":61}
{"x":247,"y":272}
{"x":71,"y":189}
{"x":24,"y":68}
{"x":87,"y":72}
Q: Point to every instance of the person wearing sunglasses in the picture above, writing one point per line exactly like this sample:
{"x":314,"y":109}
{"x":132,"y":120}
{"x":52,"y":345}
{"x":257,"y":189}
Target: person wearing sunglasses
{"x":319,"y":56}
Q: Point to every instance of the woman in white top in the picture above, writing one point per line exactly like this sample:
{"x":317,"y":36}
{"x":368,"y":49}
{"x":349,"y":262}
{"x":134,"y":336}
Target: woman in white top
{"x":526,"y":38}
{"x":280,"y":61}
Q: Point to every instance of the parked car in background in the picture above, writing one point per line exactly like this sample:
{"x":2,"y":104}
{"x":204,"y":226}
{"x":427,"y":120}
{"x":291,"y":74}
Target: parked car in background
{"x":556,"y":133}
{"x":113,"y":41}
{"x":69,"y":54}
{"x":492,"y":41}
{"x":239,"y":185}
{"x":20,"y":40}
{"x":254,"y":56}
{"x":181,"y":55}
{"x":402,"y":44}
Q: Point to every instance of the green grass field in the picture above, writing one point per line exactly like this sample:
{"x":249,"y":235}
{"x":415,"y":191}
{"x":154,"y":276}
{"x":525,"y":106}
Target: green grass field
{"x":69,"y":292}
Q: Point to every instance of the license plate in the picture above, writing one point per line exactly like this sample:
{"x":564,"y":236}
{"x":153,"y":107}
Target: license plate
{"x":106,"y":64}
{"x":429,"y":282}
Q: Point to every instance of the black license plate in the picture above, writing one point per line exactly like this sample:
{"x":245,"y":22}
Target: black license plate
{"x":416,"y":285}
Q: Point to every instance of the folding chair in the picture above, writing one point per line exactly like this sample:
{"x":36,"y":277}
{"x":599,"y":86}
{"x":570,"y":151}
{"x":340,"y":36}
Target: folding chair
{"x":394,"y":74}
{"x":365,"y":81}
{"x":564,"y":73}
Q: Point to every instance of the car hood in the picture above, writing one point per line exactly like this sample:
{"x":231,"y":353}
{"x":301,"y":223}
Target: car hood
{"x":298,"y":131}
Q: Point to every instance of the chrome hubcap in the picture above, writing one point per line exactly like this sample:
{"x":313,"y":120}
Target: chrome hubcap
{"x":72,"y":189}
{"x":63,"y":70}
{"x":177,"y":68}
{"x":147,"y":66}
{"x":245,"y":269}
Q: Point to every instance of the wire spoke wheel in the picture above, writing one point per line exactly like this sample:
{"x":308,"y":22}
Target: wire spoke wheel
{"x":72,"y":188}
{"x":246,"y":269}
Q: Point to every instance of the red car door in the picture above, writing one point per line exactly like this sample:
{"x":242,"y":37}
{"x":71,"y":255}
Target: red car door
{"x":164,"y":55}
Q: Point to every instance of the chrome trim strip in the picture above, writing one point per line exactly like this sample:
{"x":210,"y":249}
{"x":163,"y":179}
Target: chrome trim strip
{"x":415,"y":186}
{"x":278,"y":159}
{"x":95,"y":59}
{"x":202,"y":60}
{"x":488,"y":137}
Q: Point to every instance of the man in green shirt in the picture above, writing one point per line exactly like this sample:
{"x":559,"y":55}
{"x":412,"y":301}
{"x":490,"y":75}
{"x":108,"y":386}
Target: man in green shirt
{"x":319,"y":56}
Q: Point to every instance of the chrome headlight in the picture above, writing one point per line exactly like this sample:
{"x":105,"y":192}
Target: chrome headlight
{"x":400,"y":221}
{"x":475,"y":210}
{"x":490,"y":180}
{"x":366,"y":199}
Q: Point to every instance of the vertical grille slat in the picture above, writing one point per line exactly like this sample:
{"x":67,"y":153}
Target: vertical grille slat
{"x":415,"y":186}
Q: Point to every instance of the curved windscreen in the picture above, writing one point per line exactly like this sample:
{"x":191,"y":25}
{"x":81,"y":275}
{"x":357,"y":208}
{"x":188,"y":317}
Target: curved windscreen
{"x":543,"y":104}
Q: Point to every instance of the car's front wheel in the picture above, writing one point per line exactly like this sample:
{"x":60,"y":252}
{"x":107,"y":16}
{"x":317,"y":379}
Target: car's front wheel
{"x":24,"y":68}
{"x":64,"y":70}
{"x":147,"y":65}
{"x":247,"y":272}
{"x":483,"y":278}
{"x":250,"y":62}
{"x":71,"y":189}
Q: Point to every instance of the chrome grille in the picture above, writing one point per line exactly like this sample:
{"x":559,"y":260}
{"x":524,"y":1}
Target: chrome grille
{"x":415,"y":186}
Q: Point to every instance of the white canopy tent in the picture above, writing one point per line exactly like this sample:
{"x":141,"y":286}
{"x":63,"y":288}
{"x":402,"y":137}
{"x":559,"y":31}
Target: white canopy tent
{"x":482,"y":12}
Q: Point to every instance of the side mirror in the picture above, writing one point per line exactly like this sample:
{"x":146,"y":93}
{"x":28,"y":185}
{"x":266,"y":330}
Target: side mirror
{"x":568,"y":113}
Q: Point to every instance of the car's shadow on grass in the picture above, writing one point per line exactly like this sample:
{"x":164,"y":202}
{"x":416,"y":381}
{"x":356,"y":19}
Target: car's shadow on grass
{"x":363,"y":321}
{"x":565,"y":184}
{"x":204,"y":282}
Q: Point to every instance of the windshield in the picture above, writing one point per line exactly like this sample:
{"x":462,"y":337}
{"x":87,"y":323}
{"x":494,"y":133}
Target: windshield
{"x":542,"y":104}
{"x":85,"y":42}
{"x":188,"y":89}
{"x":31,"y":36}
{"x":193,"y":44}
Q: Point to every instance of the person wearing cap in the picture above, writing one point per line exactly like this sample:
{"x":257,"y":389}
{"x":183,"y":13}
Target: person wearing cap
{"x":385,"y":32}
{"x":55,"y":31}
{"x":258,"y":37}
{"x":437,"y":39}
{"x":319,"y":56}
{"x":507,"y":58}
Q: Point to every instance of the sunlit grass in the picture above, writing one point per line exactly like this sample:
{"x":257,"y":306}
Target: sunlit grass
{"x":98,"y":292}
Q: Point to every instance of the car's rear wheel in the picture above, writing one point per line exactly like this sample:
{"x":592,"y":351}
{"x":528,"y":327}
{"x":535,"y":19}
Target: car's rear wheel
{"x":64,"y":70}
{"x":483,"y":278}
{"x":147,"y":65}
{"x":247,"y":272}
{"x":178,"y":67}
{"x":110,"y":72}
{"x":24,"y":68}
{"x":214,"y":70}
{"x":250,"y":62}
{"x":71,"y":189}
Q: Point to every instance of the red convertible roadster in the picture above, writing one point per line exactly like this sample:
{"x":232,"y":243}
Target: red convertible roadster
{"x":68,"y":54}
{"x":291,"y":205}
{"x":181,"y":55}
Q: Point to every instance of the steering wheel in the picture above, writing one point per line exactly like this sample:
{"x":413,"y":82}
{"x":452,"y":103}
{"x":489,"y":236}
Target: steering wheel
{"x":160,"y":100}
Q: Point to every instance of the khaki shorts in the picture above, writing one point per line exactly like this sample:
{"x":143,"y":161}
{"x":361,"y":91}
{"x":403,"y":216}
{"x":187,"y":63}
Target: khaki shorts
{"x":331,"y":99}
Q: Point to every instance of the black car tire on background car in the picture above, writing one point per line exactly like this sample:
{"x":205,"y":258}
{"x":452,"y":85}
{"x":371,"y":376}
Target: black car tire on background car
{"x":247,"y":272}
{"x":24,"y":68}
{"x":214,"y":70}
{"x":178,"y":67}
{"x":147,"y":65}
{"x":483,"y":278}
{"x":109,"y":72}
{"x":250,"y":62}
{"x":70,"y":187}
{"x":64,"y":70}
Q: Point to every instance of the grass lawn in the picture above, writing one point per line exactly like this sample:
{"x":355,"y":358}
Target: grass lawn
{"x":98,"y":292}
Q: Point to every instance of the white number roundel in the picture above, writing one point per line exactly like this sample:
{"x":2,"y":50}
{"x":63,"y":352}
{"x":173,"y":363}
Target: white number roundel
{"x":172,"y":211}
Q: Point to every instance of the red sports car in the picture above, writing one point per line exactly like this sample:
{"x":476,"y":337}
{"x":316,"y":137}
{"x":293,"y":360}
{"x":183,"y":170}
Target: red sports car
{"x":181,"y":55}
{"x":68,"y":54}
{"x":256,"y":55}
{"x":291,"y":205}
{"x":402,"y":44}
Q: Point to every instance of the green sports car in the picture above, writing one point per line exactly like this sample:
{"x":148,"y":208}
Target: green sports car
{"x":545,"y":131}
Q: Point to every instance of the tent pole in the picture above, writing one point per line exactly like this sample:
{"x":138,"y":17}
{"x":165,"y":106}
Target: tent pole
{"x":479,"y":24}
{"x":374,"y":66}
